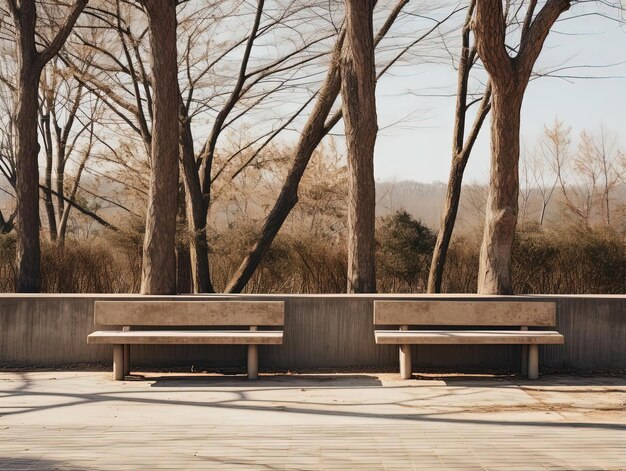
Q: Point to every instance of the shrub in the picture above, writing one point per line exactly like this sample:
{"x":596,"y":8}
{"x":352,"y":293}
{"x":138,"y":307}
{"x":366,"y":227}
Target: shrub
{"x":404,"y":252}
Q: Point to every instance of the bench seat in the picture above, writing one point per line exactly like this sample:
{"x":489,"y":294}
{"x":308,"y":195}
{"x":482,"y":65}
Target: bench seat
{"x":186,"y":337}
{"x":516,"y":337}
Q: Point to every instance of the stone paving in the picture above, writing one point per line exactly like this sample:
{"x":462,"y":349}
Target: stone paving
{"x":83,"y":420}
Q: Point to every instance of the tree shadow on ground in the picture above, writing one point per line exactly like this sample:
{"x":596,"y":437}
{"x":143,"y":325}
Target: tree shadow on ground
{"x":241,"y":401}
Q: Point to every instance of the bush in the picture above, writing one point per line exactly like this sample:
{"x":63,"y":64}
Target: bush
{"x":404,"y":252}
{"x":569,"y":260}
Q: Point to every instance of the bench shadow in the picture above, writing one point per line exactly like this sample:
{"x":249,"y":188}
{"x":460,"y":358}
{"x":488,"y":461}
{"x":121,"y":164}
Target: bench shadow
{"x":275,"y":380}
{"x":551,"y":380}
{"x":35,"y":464}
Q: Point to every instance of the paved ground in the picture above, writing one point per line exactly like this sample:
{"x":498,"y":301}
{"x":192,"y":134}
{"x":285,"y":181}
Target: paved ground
{"x":79,"y":420}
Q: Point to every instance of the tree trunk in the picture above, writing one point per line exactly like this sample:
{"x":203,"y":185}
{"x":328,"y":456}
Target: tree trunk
{"x":453,"y":192}
{"x":159,"y":257}
{"x":453,"y":196}
{"x":542,"y":216}
{"x":27,"y":151}
{"x":358,"y":84}
{"x":460,"y":154}
{"x":196,"y":214}
{"x":48,"y":203}
{"x":60,"y":181}
{"x":72,"y":197}
{"x":494,"y":275}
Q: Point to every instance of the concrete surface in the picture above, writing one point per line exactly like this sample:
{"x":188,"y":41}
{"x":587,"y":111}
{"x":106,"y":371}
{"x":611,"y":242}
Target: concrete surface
{"x":83,"y":420}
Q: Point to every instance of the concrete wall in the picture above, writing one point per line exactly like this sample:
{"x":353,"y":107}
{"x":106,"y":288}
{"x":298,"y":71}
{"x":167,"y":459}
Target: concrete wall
{"x":321,"y":331}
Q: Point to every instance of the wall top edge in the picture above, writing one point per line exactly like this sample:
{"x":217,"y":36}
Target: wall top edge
{"x":7,"y":296}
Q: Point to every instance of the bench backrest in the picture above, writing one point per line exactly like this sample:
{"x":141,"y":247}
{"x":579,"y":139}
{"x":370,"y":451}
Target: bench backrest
{"x":189,"y":313}
{"x":465,"y":313}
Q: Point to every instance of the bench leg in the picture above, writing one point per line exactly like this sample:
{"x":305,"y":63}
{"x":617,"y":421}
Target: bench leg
{"x":405,"y":361}
{"x":253,"y":362}
{"x":118,"y":362}
{"x":126,"y":360}
{"x":533,"y":361}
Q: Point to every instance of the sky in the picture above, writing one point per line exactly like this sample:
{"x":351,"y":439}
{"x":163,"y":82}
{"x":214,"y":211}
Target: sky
{"x":420,"y":149}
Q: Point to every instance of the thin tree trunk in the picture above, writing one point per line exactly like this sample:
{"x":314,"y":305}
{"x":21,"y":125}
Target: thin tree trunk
{"x":60,"y":180}
{"x":159,"y":257}
{"x":543,"y":213}
{"x":358,"y":86}
{"x":196,"y":214}
{"x":453,"y":197}
{"x":502,"y":201}
{"x":72,"y":197}
{"x":48,"y":203}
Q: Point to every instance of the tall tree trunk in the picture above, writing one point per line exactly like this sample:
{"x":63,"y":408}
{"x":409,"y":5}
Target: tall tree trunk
{"x":358,"y":85}
{"x":502,"y":201}
{"x":27,"y":151}
{"x":196,"y":214}
{"x":159,"y":257}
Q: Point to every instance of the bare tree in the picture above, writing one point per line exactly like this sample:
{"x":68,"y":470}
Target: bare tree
{"x":211,"y":89}
{"x":311,"y":135}
{"x":31,"y":62}
{"x":319,"y":123}
{"x":66,"y":123}
{"x":588,"y":179}
{"x":509,"y":78}
{"x":607,"y":154}
{"x":463,"y":143}
{"x":553,"y":146}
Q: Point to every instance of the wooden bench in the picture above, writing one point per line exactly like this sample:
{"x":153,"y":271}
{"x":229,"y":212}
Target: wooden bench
{"x":465,"y":314}
{"x":174,"y":316}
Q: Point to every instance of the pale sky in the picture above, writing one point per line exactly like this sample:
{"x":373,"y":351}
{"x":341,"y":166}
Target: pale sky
{"x":421,"y":151}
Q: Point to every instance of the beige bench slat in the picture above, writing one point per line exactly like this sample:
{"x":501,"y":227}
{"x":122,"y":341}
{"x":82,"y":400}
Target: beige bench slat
{"x":467,"y":337}
{"x":187,"y":337}
{"x":190,"y":313}
{"x":468,"y":313}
